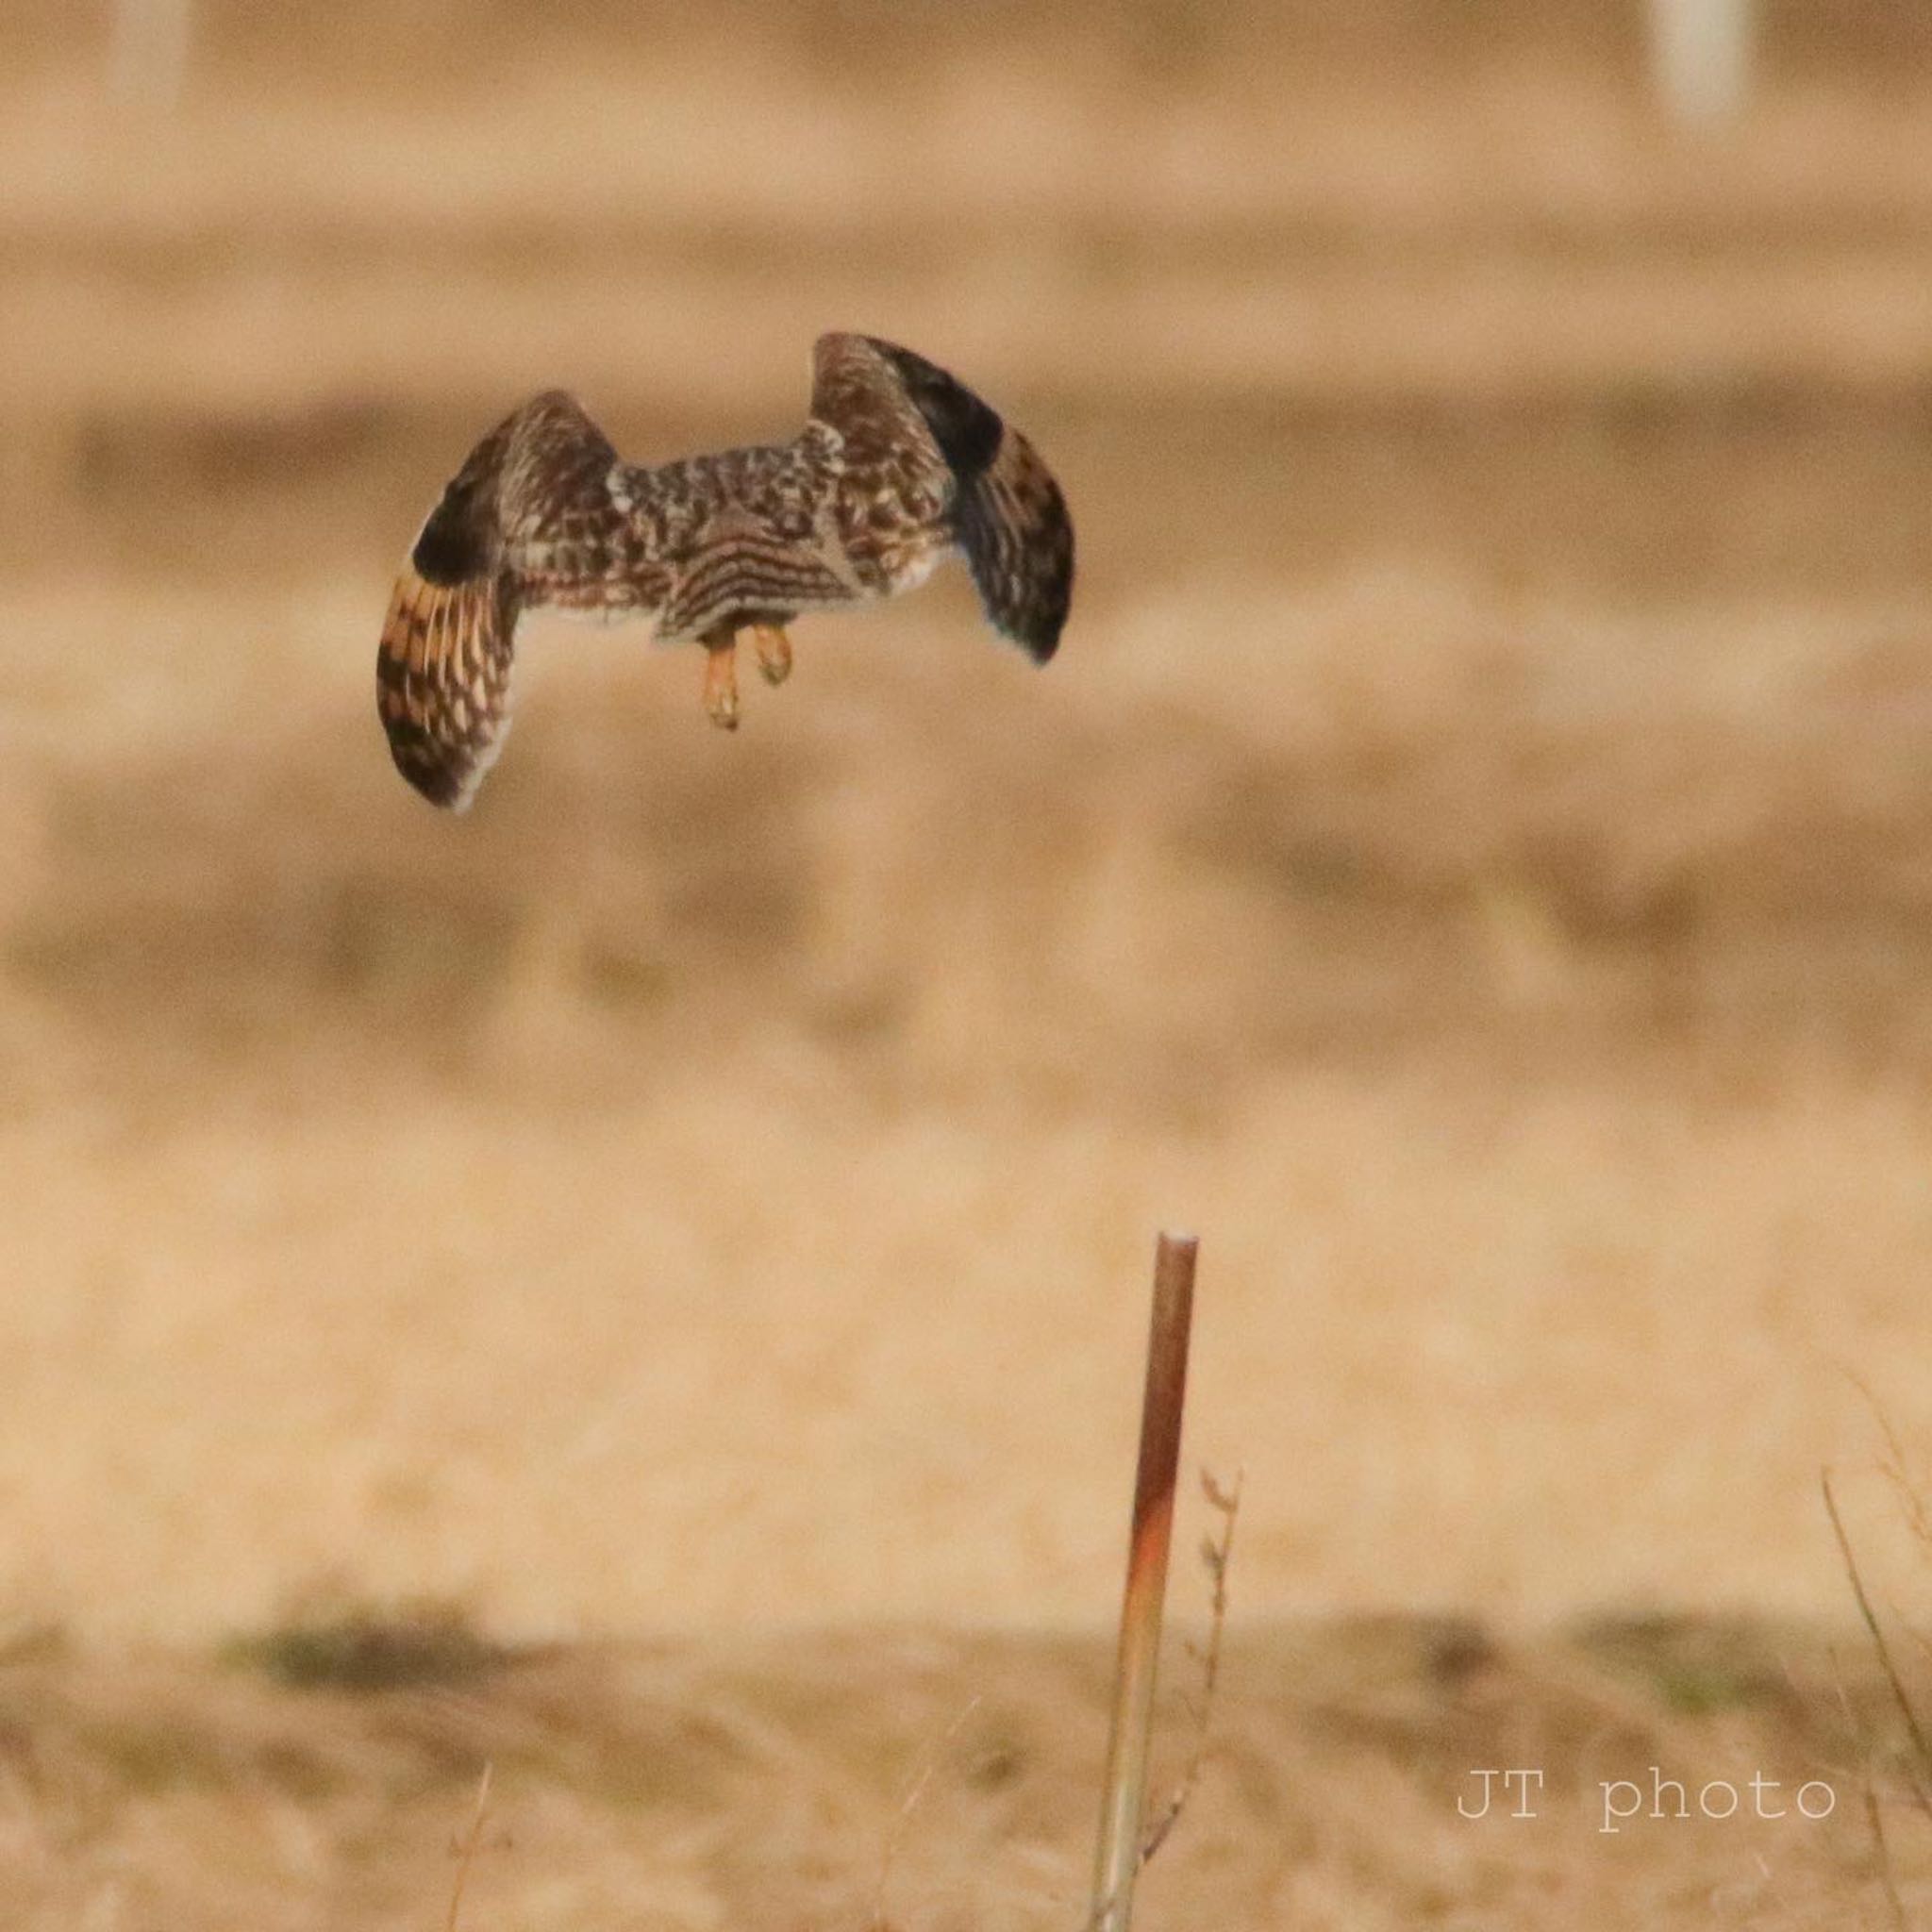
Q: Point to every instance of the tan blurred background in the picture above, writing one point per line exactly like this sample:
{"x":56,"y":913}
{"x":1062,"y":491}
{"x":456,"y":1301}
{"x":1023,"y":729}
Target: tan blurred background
{"x":1472,"y":859}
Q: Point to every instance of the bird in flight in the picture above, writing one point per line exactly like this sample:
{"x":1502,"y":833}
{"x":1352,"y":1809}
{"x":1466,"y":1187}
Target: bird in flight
{"x":898,"y":466}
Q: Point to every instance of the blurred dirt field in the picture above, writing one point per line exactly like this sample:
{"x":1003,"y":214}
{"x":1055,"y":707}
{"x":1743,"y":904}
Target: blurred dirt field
{"x":1471,"y":859}
{"x":849,"y":1780}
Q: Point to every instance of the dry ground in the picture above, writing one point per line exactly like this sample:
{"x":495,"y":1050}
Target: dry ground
{"x":766,"y":1783}
{"x":1471,"y":859}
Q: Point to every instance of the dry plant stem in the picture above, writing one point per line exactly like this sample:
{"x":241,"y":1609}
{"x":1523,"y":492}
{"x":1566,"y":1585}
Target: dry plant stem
{"x":1912,"y":1498}
{"x":466,"y":1850}
{"x":1117,"y":1858}
{"x":1215,"y":1553}
{"x":1919,"y":1752}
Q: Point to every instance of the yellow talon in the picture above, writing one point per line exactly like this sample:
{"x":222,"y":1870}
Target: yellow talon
{"x":774,"y":651}
{"x":721,"y":680}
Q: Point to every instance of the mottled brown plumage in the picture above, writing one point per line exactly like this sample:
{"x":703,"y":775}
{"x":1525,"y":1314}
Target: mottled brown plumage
{"x":897,"y":467}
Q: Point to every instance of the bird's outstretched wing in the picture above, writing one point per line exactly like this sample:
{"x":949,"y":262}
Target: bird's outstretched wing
{"x":925,"y":436}
{"x":529,"y":519}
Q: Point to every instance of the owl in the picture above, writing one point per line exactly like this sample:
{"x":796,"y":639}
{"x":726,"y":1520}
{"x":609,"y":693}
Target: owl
{"x":898,"y":467}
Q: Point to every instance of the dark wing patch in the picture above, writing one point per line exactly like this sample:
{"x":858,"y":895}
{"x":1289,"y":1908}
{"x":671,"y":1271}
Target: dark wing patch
{"x":463,"y":533}
{"x":966,"y":429}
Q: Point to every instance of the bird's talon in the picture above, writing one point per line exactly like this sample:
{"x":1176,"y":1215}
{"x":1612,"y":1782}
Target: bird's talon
{"x":775,"y":652}
{"x":720,"y":683}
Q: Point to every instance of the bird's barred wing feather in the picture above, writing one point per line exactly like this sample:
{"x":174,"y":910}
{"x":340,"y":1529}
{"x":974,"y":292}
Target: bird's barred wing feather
{"x":529,"y":519}
{"x":924,"y":432}
{"x":442,"y":682}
